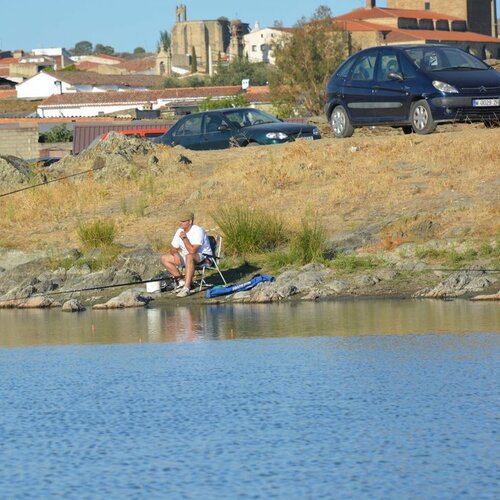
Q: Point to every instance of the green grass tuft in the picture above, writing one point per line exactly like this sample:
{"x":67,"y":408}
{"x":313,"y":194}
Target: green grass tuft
{"x":96,"y":234}
{"x":247,"y":231}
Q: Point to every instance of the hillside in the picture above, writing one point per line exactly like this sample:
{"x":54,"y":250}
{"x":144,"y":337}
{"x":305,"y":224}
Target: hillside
{"x":375,"y":191}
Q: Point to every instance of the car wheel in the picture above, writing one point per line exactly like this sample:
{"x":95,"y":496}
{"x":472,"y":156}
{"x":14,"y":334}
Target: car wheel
{"x":340,"y":123}
{"x":407,"y":129}
{"x":422,"y":121}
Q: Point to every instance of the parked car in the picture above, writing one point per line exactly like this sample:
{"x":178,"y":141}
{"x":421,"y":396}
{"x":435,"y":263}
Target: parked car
{"x":221,"y":128}
{"x":411,"y":86}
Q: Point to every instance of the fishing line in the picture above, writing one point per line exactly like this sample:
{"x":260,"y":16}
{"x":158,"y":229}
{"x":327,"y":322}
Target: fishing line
{"x":51,"y":181}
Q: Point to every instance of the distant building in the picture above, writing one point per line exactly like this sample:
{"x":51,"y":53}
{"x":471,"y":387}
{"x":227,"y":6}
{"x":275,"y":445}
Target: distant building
{"x":372,"y":26}
{"x":210,"y":39}
{"x":260,"y":41}
{"x":71,"y":82}
{"x":90,"y":104}
{"x":21,"y":66}
{"x":480,"y":15}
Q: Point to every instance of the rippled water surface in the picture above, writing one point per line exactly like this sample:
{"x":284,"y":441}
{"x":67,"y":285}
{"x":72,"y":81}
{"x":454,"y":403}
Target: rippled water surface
{"x":361,"y":399}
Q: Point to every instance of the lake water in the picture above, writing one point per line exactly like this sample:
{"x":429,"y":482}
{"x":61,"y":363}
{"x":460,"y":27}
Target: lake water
{"x":346,"y":399}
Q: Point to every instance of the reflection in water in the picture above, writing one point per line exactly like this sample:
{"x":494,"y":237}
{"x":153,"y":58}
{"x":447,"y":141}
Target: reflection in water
{"x":193,"y":323}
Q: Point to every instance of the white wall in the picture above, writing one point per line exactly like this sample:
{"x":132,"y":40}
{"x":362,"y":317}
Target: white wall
{"x":258,"y":44}
{"x":39,"y":86}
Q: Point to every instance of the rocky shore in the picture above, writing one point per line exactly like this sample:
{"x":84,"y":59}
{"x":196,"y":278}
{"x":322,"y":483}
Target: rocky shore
{"x":26,"y":281}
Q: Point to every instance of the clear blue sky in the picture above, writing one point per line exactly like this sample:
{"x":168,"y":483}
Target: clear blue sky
{"x":126,"y":24}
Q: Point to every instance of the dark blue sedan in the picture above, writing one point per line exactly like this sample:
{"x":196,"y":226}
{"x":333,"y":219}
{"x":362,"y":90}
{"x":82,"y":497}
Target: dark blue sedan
{"x":223,"y":128}
{"x":411,"y":86}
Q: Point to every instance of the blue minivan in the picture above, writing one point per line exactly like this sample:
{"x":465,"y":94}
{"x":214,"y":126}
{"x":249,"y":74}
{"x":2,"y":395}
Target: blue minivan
{"x":411,"y":86}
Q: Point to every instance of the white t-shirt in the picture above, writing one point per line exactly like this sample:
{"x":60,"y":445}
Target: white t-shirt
{"x":197,"y":236}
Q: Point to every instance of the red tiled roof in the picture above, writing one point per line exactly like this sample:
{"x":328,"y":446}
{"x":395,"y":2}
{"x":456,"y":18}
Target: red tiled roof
{"x":141,"y":97}
{"x":4,"y":72}
{"x":404,"y":35}
{"x":9,"y":60}
{"x":111,"y":58}
{"x":86,"y":65}
{"x":400,"y":35}
{"x":379,"y":12}
{"x":137,"y":65}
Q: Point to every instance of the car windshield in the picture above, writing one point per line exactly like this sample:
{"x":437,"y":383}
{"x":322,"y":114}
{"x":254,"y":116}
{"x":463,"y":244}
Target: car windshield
{"x":444,"y":59}
{"x":242,"y":118}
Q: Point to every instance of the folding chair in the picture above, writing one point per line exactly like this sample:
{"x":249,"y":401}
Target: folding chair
{"x":211,"y":262}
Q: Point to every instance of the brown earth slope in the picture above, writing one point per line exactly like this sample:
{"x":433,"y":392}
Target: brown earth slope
{"x":381,"y":186}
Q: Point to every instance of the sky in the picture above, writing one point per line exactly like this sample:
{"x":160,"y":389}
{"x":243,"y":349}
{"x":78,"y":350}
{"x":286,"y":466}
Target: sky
{"x":127,"y":24}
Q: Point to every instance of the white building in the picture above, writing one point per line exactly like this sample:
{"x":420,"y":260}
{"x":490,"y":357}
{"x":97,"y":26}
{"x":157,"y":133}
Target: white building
{"x":65,"y":82}
{"x":259,"y":43}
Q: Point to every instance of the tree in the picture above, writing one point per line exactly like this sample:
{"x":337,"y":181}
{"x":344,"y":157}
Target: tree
{"x":83,"y":48}
{"x":239,"y":69}
{"x":277,"y":23}
{"x":305,"y":61}
{"x":139,"y":51}
{"x":104,"y":49}
{"x":194,"y":62}
{"x":235,"y":101}
{"x":322,"y":13}
{"x":164,"y":41}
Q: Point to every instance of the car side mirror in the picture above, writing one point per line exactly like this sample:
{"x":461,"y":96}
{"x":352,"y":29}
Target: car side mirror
{"x":396,"y":76}
{"x":222,"y":127}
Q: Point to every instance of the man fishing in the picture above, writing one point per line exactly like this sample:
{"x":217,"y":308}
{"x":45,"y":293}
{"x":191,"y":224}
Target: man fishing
{"x":189,"y":247}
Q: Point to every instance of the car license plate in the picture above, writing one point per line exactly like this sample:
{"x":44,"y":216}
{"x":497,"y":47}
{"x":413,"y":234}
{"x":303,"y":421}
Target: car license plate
{"x":305,"y":138}
{"x":479,"y":103}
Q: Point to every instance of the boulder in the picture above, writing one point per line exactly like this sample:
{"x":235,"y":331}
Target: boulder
{"x":73,"y":305}
{"x":459,"y":283}
{"x":129,"y":298}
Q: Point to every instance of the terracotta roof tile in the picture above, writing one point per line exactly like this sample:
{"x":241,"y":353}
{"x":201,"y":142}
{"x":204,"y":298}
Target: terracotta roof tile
{"x":134,"y":98}
{"x":379,"y":12}
{"x":137,"y":65}
{"x":91,"y":78}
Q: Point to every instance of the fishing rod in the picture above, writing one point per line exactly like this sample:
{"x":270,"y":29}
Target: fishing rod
{"x":102,"y":287}
{"x":45,"y":182}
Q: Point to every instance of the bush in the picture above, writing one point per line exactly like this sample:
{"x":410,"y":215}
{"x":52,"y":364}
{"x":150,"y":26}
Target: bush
{"x":234,"y":101}
{"x":310,"y":243}
{"x":57,"y":134}
{"x":247,"y":231}
{"x":351,"y":263}
{"x":96,"y":234}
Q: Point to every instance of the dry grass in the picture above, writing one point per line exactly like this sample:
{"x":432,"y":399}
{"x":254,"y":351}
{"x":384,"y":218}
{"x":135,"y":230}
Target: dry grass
{"x":451,"y":178}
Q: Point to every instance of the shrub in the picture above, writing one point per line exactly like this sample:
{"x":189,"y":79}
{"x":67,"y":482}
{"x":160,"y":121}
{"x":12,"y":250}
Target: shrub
{"x":96,"y":234}
{"x":350,"y":263}
{"x":247,"y":231}
{"x":58,"y":133}
{"x":310,"y":243}
{"x":234,"y":101}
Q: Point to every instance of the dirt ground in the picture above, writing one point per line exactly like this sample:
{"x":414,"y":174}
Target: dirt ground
{"x":391,"y":187}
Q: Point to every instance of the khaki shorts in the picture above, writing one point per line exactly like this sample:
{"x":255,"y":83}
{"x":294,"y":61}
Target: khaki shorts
{"x":198,"y":257}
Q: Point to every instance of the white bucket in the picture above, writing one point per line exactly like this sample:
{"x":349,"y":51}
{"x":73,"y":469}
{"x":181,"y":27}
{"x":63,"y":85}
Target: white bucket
{"x":153,"y":286}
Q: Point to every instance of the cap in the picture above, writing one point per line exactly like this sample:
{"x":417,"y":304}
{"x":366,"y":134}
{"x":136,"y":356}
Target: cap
{"x":185,"y":215}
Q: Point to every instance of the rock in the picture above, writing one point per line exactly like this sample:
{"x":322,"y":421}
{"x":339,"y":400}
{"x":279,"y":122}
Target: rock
{"x":459,"y":283}
{"x":73,"y":305}
{"x":366,"y":280}
{"x":495,"y":296}
{"x":386,"y":274}
{"x":13,"y":170}
{"x":184,"y":160}
{"x":38,"y":302}
{"x":337,"y":286}
{"x":129,"y":298}
{"x":242,"y":296}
